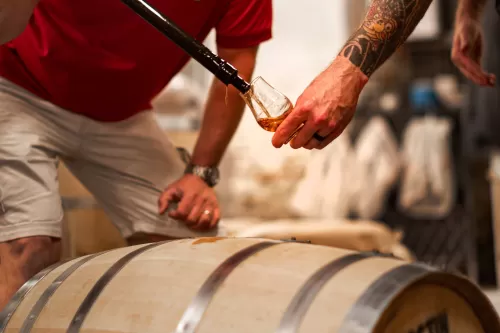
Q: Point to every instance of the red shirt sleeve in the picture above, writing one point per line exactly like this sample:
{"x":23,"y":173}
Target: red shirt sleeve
{"x":246,"y":23}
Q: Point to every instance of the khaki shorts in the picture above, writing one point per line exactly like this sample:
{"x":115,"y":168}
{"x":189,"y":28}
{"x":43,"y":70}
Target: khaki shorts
{"x":124,"y":164}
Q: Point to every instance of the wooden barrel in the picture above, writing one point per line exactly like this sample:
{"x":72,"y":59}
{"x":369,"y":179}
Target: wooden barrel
{"x":360,"y":235}
{"x":246,"y":285}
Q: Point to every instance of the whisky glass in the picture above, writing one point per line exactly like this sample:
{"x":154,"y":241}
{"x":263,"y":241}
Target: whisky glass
{"x":269,"y":106}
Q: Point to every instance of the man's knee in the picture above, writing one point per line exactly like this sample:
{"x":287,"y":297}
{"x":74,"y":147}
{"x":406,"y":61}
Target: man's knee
{"x":29,"y":255}
{"x":21,"y":259}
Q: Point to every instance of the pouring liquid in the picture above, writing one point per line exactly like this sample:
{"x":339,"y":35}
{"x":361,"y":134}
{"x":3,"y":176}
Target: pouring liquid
{"x":268,"y":122}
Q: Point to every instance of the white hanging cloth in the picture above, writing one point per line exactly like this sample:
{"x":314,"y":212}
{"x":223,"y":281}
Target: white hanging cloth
{"x":428,"y":182}
{"x":377,"y":167}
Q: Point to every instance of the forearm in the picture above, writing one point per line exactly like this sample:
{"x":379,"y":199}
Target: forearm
{"x":386,"y":26}
{"x":223,"y":109}
{"x":220,"y":122}
{"x":14,"y":17}
{"x":470,"y":8}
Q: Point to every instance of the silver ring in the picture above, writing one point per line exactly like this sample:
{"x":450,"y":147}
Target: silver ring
{"x":207,"y":212}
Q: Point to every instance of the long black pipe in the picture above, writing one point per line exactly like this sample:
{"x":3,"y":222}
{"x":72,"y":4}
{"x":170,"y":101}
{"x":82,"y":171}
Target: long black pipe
{"x":219,"y":67}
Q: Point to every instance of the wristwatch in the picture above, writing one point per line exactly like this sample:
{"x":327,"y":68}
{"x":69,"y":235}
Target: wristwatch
{"x":210,"y":175}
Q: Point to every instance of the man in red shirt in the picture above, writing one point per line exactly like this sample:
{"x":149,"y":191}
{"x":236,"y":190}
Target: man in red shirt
{"x":76,"y":79}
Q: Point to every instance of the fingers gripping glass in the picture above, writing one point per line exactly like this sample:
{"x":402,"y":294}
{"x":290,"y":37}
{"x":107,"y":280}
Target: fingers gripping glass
{"x":268,"y":105}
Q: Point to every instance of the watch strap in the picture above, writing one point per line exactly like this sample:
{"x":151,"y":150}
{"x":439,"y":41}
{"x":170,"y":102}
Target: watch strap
{"x":208,"y":174}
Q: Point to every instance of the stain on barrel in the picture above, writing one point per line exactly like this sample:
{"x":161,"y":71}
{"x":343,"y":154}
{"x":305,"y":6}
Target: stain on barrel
{"x":205,"y":240}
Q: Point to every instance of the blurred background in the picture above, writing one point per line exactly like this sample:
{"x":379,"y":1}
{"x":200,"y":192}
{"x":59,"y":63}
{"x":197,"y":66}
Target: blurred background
{"x":418,"y":161}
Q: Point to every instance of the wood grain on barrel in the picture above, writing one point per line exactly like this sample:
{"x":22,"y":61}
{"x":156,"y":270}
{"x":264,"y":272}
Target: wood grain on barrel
{"x":365,"y":313}
{"x":87,"y":304}
{"x":51,"y":289}
{"x":151,"y":293}
{"x":64,"y":302}
{"x":199,"y":304}
{"x":305,"y":296}
{"x":345,"y":288}
{"x":18,"y":298}
{"x":24,"y":308}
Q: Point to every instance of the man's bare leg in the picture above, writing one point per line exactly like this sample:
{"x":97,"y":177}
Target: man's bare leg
{"x":21,"y":259}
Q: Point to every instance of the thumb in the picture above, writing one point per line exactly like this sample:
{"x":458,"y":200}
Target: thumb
{"x":456,"y":46}
{"x":462,"y":42}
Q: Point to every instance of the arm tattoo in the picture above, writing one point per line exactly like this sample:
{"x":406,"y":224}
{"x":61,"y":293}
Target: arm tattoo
{"x":387,"y":25}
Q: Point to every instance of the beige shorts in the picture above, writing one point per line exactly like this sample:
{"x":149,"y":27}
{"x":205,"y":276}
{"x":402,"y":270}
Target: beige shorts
{"x":124,"y":164}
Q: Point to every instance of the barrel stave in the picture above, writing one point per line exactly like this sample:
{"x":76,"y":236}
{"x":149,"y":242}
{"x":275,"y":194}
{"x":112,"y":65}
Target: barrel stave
{"x":24,"y":308}
{"x":342,"y":292}
{"x":265,"y":285}
{"x":153,"y":291}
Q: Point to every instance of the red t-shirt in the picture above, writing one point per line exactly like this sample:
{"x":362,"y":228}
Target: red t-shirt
{"x":100,"y":59}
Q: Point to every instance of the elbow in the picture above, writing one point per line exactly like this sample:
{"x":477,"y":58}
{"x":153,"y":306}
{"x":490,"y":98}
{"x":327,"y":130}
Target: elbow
{"x":7,"y":36}
{"x":11,"y":26}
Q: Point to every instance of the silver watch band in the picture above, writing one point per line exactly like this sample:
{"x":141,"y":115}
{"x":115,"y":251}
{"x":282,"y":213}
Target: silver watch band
{"x":210,"y":175}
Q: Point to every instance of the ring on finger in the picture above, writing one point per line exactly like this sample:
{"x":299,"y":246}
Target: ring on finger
{"x":319,"y":137}
{"x":207,"y":212}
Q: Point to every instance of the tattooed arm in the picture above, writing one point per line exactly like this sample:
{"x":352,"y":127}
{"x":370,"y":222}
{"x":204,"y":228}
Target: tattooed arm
{"x":387,"y":25}
{"x":328,"y":104}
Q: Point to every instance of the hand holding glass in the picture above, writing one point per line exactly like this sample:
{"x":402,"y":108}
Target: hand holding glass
{"x":268,"y":105}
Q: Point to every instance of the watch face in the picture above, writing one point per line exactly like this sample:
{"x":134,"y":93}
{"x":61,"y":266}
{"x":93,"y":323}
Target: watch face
{"x":213,"y":176}
{"x":210,"y":175}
